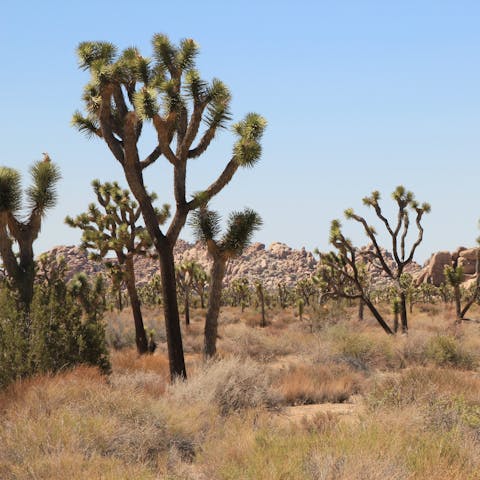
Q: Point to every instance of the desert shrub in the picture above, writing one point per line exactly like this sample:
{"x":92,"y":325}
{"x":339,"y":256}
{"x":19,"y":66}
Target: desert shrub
{"x":232,"y":385}
{"x":422,"y":385}
{"x":445,"y":413}
{"x":259,"y":344}
{"x":361,"y":351}
{"x":63,"y":328}
{"x":67,"y":325}
{"x":13,"y":343}
{"x":445,"y":350}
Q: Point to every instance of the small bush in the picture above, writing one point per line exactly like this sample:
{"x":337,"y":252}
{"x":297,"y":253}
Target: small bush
{"x":445,"y":350}
{"x":232,"y":385}
{"x":360,"y":351}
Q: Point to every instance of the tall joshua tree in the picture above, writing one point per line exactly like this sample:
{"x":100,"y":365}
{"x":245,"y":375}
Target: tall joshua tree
{"x":114,"y":228}
{"x":127,"y":90}
{"x":398,"y":231}
{"x":343,"y":266}
{"x":206,"y":226}
{"x":19,"y":228}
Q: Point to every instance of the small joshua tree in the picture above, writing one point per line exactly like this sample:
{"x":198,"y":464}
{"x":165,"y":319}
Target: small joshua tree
{"x":200,"y":282}
{"x":454,"y":277}
{"x":128,"y":90}
{"x":113,"y":228}
{"x":240,"y":228}
{"x":16,"y":233}
{"x":185,"y":280}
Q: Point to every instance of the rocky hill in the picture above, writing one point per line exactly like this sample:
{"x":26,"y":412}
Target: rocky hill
{"x":277,"y":263}
{"x":272,"y":265}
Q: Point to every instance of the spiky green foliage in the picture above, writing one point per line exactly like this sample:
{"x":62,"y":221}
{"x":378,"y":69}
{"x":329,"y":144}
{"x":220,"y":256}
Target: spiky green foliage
{"x":241,"y":226}
{"x":42,"y":194}
{"x":247,"y":149}
{"x":90,"y":53}
{"x":10,"y":190}
{"x":206,"y":224}
{"x":240,"y":229}
{"x":112,"y":225}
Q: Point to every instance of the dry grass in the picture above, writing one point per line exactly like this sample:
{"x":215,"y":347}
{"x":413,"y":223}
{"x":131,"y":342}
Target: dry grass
{"x":421,"y":393}
{"x":308,"y":384}
{"x":231,"y":385}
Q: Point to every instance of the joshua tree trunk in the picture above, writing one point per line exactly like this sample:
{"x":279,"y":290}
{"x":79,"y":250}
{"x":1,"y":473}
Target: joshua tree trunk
{"x":23,"y":272}
{"x":215,"y":296}
{"x":377,"y":316}
{"x":361,"y":307}
{"x":395,"y":321}
{"x":458,"y":296}
{"x":262,"y":305}
{"x":187,"y":305}
{"x":120,"y":301}
{"x":403,"y":312}
{"x":164,"y":248}
{"x":140,"y":335}
{"x":170,"y":308}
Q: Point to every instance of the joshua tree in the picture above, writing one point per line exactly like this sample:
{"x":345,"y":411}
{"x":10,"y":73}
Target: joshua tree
{"x":16,"y":233}
{"x":123,"y":93}
{"x":113,"y":228}
{"x":343,"y":275}
{"x":240,"y":292}
{"x":454,"y":276}
{"x":260,"y":291}
{"x":185,"y":281}
{"x":199,"y":283}
{"x":305,"y":289}
{"x":283,"y":294}
{"x":206,"y":226}
{"x":398,"y":231}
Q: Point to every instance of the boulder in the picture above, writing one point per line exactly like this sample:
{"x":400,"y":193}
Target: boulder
{"x":433,"y":271}
{"x":467,"y":260}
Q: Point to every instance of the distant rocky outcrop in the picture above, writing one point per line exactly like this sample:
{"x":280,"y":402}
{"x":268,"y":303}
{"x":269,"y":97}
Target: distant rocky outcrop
{"x":432,"y":271}
{"x":378,"y":275}
{"x":273,"y":265}
{"x":280,"y":264}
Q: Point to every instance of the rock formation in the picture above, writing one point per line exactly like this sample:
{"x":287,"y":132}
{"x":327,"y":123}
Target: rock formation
{"x":273,"y":265}
{"x":432,"y":271}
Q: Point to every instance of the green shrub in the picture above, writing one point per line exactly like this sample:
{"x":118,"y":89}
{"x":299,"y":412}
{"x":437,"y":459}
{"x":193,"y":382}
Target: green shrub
{"x":63,"y":328}
{"x":445,"y":350}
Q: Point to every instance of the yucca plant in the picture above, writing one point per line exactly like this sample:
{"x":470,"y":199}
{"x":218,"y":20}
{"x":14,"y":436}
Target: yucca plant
{"x":127,"y":90}
{"x":113,"y":227}
{"x":239,"y":232}
{"x":21,"y":224}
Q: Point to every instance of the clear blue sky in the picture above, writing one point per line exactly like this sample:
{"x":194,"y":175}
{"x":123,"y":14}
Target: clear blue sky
{"x":359,"y":95}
